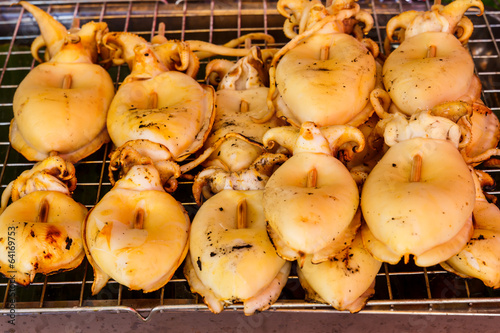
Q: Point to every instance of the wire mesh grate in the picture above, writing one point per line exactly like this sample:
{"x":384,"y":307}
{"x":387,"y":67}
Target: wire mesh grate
{"x":399,"y":288}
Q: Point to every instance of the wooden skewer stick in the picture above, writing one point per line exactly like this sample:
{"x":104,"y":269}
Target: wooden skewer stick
{"x":241,"y":214}
{"x":43,"y":211}
{"x":67,"y":80}
{"x":244,"y":106}
{"x":431,"y":51}
{"x":312,"y":178}
{"x":153,"y":100}
{"x":248,"y":43}
{"x":139,"y":219}
{"x":406,"y":258}
{"x":301,"y":259}
{"x":161,"y":29}
{"x":324,"y":52}
{"x":416,"y":168}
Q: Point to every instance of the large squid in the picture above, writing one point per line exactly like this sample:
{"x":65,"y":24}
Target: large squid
{"x":310,"y":201}
{"x":418,"y":199}
{"x":41,"y":230}
{"x":166,"y":107}
{"x":431,"y":66}
{"x":60,"y":107}
{"x":324,"y":74}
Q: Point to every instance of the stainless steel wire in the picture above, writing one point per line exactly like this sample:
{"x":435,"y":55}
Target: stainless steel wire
{"x":399,"y":288}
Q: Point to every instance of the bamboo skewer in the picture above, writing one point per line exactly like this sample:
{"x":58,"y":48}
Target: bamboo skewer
{"x":139,"y":219}
{"x":416,"y":168}
{"x":241,"y":214}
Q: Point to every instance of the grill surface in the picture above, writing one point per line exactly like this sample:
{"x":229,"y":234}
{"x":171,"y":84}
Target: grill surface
{"x":399,"y":289}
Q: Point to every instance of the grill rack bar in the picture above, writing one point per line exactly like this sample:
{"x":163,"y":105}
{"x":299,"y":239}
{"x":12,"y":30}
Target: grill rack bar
{"x":47,"y":294}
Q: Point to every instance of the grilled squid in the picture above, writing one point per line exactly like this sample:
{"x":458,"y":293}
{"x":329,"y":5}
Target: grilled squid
{"x":479,"y":258}
{"x":238,"y":162}
{"x":431,"y":66}
{"x":345,"y":281}
{"x":311,"y":199}
{"x":324,"y":74}
{"x":418,"y":199}
{"x":40,"y":231}
{"x":60,"y":107}
{"x":153,"y":103}
{"x":137,"y":234}
{"x":231,"y":258}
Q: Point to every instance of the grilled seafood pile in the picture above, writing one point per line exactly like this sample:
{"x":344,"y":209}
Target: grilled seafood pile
{"x":319,"y":156}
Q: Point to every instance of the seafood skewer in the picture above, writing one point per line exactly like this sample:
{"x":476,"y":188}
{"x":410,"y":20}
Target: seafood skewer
{"x":323,"y":75}
{"x":431,"y":66}
{"x":137,"y":233}
{"x":42,"y":228}
{"x":418,"y":199}
{"x":311,"y":199}
{"x":60,"y":107}
{"x":231,"y":257}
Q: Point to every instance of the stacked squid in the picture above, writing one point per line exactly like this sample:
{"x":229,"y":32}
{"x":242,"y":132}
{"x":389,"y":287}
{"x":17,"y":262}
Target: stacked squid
{"x":321,"y":153}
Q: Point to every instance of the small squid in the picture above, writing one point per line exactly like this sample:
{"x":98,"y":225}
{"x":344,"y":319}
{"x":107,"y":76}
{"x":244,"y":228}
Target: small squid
{"x":241,"y":98}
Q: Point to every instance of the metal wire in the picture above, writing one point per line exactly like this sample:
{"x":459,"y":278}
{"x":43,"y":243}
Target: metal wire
{"x":399,"y":288}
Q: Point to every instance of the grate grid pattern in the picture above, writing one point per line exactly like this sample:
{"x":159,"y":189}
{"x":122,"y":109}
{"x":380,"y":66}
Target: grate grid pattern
{"x":399,"y":288}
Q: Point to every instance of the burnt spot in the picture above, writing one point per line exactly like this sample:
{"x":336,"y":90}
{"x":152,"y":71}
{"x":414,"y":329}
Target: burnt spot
{"x":69,"y":241}
{"x":32,"y":233}
{"x":198,"y":262}
{"x":48,"y":256}
{"x":239,"y":247}
{"x":52,"y":235}
{"x":321,"y":69}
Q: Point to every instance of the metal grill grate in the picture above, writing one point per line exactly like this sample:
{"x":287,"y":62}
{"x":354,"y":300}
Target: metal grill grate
{"x":399,"y":288}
